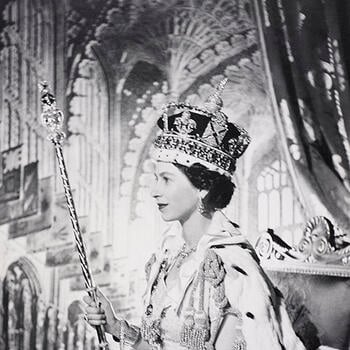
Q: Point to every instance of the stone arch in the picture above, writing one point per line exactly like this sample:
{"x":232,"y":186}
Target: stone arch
{"x":88,"y":126}
{"x":48,"y":26}
{"x":6,"y":126}
{"x":187,"y":40}
{"x":21,"y":289}
{"x":193,"y":39}
{"x":6,"y":59}
{"x":75,"y":310}
{"x":142,"y":121}
{"x":77,"y":336}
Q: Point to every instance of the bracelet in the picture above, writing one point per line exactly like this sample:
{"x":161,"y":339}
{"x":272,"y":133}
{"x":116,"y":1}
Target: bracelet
{"x":128,"y":335}
{"x":116,"y":338}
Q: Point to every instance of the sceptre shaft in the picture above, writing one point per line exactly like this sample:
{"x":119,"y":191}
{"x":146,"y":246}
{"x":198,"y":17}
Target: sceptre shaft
{"x":52,"y":119}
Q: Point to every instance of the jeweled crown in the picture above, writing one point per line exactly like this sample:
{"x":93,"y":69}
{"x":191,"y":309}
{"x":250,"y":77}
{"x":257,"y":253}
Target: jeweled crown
{"x":200,"y":135}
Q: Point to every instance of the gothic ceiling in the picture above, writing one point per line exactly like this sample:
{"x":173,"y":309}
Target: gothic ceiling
{"x":186,"y":39}
{"x":194,"y":43}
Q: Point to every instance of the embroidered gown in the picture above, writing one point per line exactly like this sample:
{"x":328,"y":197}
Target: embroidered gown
{"x":218,"y":297}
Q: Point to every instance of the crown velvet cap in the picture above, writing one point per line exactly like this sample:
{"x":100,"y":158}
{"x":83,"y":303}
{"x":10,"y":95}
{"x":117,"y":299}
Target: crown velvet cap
{"x":194,"y":135}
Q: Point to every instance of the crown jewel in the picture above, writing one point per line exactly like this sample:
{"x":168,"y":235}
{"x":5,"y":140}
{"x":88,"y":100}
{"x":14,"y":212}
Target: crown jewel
{"x":214,"y":102}
{"x":194,"y":135}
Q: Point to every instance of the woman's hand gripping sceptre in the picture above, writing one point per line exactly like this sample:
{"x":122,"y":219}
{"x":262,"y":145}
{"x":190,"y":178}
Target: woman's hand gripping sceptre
{"x":102,"y":314}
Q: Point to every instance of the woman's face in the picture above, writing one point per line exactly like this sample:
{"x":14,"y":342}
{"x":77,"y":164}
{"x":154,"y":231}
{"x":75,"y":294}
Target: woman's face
{"x":176,"y":197}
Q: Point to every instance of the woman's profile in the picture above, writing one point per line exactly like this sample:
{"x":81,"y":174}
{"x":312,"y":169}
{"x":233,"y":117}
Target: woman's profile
{"x":205,"y":287}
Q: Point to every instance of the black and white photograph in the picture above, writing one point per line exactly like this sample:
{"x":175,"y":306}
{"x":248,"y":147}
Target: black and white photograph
{"x":174,"y":175}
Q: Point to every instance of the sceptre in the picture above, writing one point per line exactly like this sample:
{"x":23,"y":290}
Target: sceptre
{"x":52,"y":119}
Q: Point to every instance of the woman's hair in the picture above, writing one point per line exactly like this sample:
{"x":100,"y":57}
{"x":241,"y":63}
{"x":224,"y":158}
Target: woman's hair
{"x":220,"y":188}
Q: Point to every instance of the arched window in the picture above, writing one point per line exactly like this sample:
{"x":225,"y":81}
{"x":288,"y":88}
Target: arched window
{"x":89,"y":164}
{"x":29,"y":26}
{"x":44,"y":43}
{"x":15,"y":69}
{"x":15,"y":132}
{"x":28,"y":132}
{"x":41,"y":156}
{"x":20,"y":294}
{"x":10,"y":12}
{"x":40,"y":44}
{"x":23,"y":36}
{"x":14,"y":12}
{"x":20,"y":18}
{"x":28,"y":86}
{"x":19,"y":73}
{"x":6,"y":127}
{"x":34,"y":29}
{"x":7,"y":60}
{"x":4,"y":60}
{"x":277,"y":206}
{"x":47,"y":39}
{"x":33,"y":146}
{"x":49,"y":328}
{"x":90,"y":117}
{"x":76,"y":327}
{"x":36,"y":94}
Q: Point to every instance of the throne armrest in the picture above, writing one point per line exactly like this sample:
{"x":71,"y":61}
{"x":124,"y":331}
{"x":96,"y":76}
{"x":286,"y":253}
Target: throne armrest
{"x":314,"y":278}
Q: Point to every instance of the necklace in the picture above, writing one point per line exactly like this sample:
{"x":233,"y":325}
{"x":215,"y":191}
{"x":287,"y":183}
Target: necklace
{"x":151,"y":327}
{"x":183,"y":253}
{"x":165,"y":265}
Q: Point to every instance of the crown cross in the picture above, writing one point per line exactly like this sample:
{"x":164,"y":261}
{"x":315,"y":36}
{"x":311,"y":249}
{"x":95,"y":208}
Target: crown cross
{"x":184,"y":124}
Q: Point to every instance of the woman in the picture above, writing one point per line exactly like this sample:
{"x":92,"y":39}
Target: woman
{"x":205,"y":287}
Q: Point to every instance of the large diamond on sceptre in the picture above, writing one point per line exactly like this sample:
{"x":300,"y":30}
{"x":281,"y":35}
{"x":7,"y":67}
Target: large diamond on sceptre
{"x":51,"y":116}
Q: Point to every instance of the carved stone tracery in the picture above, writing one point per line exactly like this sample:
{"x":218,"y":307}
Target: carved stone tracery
{"x":20,"y":293}
{"x":185,"y":39}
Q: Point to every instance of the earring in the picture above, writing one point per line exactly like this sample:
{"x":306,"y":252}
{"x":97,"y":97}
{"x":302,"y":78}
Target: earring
{"x":203,"y":210}
{"x":201,"y":207}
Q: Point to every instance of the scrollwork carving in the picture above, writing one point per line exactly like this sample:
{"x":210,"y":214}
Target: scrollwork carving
{"x":323,"y":249}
